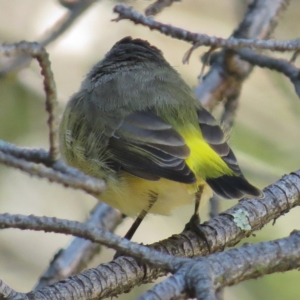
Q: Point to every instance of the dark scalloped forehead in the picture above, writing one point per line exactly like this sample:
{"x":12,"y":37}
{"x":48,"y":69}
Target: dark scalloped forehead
{"x":129,"y":48}
{"x":129,"y":41}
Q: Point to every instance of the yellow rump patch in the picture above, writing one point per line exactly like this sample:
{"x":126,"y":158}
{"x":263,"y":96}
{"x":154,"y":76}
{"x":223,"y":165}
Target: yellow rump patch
{"x":203,"y":160}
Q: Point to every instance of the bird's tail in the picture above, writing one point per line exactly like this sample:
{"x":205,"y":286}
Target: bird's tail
{"x":237,"y":187}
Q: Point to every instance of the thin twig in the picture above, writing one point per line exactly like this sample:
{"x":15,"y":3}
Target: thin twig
{"x":86,"y":231}
{"x":29,"y":154}
{"x":69,"y":3}
{"x":228,"y":73}
{"x":37,"y":51}
{"x":294,"y":56}
{"x":53,"y":33}
{"x":41,"y":156}
{"x":85,"y":183}
{"x":158,"y":6}
{"x":275,"y":64}
{"x":198,"y":39}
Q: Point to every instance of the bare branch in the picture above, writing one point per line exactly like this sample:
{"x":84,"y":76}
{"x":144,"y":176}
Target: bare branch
{"x":68,"y":3}
{"x":198,"y":39}
{"x":66,"y":21}
{"x":8,"y":293}
{"x":249,"y":261}
{"x":280,"y":65}
{"x":37,"y":51}
{"x":223,"y":231}
{"x":28,"y":154}
{"x":158,"y":6}
{"x":225,"y":79}
{"x":203,"y":276}
{"x":228,"y":72}
{"x":75,"y":257}
{"x":52,"y":33}
{"x":253,"y":261}
{"x":229,"y":112}
{"x":294,"y":56}
{"x":96,"y":235}
{"x":59,"y":172}
{"x":229,"y":228}
{"x":200,"y":277}
{"x":122,"y":274}
{"x":171,"y":288}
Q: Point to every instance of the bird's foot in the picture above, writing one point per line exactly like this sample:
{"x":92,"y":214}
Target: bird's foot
{"x":118,"y":254}
{"x":194,"y":225}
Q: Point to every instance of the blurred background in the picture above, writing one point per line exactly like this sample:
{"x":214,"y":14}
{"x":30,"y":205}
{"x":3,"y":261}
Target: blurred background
{"x":265,"y":136}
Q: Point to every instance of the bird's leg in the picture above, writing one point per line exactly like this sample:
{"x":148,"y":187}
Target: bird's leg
{"x":139,"y":219}
{"x":194,"y":222}
{"x":135,"y":225}
{"x":197,"y":200}
{"x":195,"y":219}
{"x":141,"y":216}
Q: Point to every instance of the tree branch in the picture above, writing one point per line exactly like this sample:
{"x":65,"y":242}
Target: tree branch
{"x":27,"y":160}
{"x":246,"y":217}
{"x":74,"y":258}
{"x":201,"y":277}
{"x":275,"y":64}
{"x":37,"y":51}
{"x":122,"y":274}
{"x":158,"y":6}
{"x":228,"y":72}
{"x":198,"y":39}
{"x":52,"y":34}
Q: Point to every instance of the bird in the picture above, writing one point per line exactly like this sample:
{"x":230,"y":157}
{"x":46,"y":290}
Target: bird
{"x":136,"y":124}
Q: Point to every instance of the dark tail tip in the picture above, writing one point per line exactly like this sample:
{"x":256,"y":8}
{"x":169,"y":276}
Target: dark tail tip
{"x":234,"y":187}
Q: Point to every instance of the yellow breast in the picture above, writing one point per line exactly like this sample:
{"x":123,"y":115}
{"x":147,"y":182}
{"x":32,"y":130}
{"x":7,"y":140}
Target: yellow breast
{"x":130,"y":194}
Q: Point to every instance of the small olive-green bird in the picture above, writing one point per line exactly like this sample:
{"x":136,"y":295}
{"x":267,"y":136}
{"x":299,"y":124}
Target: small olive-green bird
{"x":136,"y":124}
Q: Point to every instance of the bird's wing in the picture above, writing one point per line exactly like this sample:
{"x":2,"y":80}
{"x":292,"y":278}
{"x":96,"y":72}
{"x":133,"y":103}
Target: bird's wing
{"x":226,"y":186}
{"x":144,"y":145}
{"x":214,"y":136}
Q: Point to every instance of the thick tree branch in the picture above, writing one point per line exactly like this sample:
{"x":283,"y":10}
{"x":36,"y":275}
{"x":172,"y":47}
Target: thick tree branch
{"x":74,"y":258}
{"x":201,"y":277}
{"x":171,"y":288}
